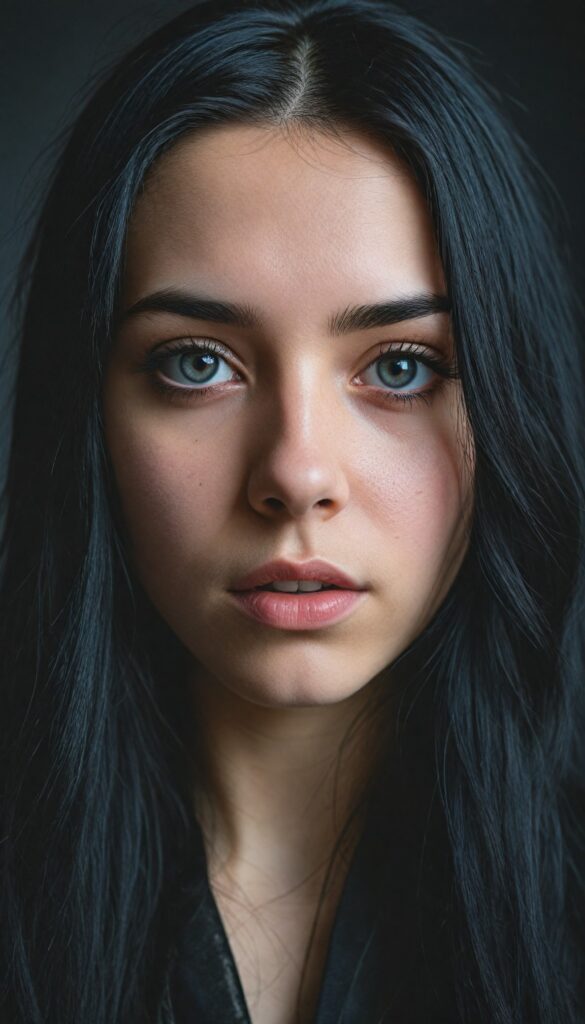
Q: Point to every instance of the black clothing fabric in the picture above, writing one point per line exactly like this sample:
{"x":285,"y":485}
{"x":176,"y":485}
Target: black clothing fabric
{"x":388,"y":955}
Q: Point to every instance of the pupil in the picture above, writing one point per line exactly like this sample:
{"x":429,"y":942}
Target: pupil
{"x":403,"y":368}
{"x":191,"y":365}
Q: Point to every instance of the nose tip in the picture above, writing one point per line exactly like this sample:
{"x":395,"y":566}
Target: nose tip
{"x":285,"y":489}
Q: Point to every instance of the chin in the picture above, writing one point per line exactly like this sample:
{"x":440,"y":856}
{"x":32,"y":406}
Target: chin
{"x":298,"y":691}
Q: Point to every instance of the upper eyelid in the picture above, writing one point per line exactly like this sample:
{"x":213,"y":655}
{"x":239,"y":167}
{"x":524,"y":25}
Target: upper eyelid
{"x":152,"y":359}
{"x":177,"y":345}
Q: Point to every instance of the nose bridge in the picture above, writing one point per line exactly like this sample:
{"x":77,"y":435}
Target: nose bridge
{"x":298,"y":400}
{"x":298,"y":462}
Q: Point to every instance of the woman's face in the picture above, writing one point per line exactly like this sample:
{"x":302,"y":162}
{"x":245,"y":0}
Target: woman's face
{"x":306,"y":442}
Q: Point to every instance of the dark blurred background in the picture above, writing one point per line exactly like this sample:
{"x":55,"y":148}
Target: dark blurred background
{"x":532,"y":52}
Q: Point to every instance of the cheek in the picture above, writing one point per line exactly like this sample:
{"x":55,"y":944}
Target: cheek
{"x":175,"y":493}
{"x":418,"y":511}
{"x":419,"y":496}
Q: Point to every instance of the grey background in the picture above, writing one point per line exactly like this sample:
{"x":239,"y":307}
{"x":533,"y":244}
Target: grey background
{"x":533,"y":52}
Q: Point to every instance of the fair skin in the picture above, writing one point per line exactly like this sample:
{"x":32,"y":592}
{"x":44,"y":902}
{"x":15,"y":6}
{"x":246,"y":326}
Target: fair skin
{"x":296,"y":453}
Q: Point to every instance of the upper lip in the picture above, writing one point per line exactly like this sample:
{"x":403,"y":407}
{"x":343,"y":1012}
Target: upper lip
{"x":281,"y":569}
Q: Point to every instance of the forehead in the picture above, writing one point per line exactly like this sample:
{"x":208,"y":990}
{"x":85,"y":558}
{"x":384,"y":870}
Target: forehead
{"x":289,"y":215}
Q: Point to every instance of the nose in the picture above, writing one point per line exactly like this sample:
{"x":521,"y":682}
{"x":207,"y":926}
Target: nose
{"x":298,"y":467}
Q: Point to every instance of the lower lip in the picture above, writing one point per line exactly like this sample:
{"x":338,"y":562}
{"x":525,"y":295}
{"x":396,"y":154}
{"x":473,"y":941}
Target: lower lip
{"x":298,"y":611}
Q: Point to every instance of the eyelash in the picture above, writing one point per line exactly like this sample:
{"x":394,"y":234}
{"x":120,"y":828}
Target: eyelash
{"x":154,"y":361}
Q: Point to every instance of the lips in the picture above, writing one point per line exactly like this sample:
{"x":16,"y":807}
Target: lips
{"x":298,"y":612}
{"x":281,"y":569}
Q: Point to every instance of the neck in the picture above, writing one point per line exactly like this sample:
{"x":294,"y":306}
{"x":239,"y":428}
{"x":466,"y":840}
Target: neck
{"x":277,"y":785}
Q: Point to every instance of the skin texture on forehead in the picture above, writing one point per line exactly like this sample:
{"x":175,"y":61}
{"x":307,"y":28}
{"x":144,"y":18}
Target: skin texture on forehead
{"x":258,"y":187}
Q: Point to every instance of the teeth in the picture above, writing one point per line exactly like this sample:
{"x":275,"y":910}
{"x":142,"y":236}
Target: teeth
{"x":292,"y":586}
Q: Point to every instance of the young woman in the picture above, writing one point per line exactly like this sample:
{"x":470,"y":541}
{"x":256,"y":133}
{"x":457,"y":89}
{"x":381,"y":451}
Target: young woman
{"x":293,"y":554}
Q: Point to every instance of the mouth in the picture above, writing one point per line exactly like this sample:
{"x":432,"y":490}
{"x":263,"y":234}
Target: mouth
{"x":283,"y":575}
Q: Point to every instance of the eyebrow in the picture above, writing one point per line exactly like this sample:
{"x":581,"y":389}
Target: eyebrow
{"x":353,"y":318}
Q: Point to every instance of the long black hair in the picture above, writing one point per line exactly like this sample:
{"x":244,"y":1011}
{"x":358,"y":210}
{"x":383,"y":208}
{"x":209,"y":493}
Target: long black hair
{"x":96,"y":815}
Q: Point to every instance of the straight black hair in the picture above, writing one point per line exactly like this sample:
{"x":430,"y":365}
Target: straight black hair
{"x":97,"y":820}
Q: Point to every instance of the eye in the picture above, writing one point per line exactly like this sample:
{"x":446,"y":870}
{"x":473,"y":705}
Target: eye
{"x":190,"y":368}
{"x":401,"y":370}
{"x":194,"y":364}
{"x":406,"y":373}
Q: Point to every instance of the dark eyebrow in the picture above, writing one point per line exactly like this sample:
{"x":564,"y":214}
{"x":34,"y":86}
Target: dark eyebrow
{"x":384,"y":314}
{"x":353,"y":318}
